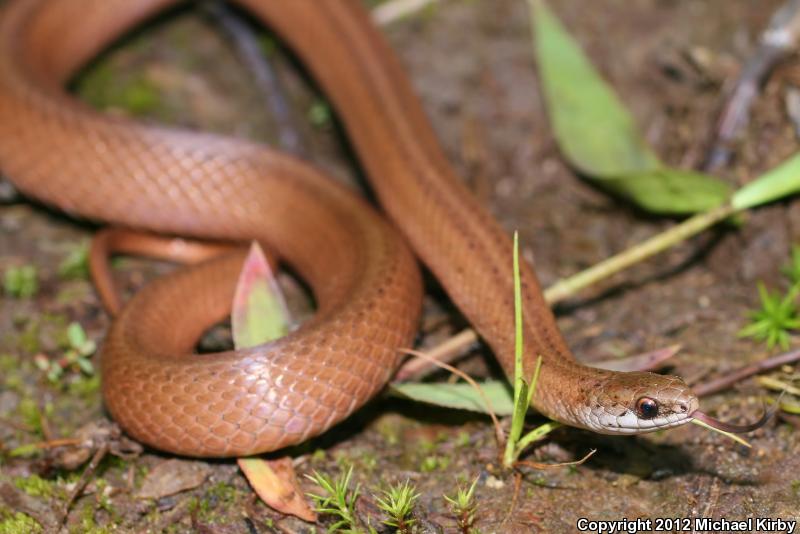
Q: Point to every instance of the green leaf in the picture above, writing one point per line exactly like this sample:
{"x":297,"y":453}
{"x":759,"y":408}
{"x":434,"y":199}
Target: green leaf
{"x":259,"y":312}
{"x":593,"y":128}
{"x":598,"y":135}
{"x":669,"y":191}
{"x":460,"y":396}
{"x":76,"y":336}
{"x":777,"y":183}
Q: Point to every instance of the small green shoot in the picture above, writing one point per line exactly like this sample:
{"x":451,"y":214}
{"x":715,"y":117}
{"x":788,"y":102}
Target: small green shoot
{"x":398,"y":503}
{"x":319,"y":114}
{"x":75,"y":266}
{"x":21,"y":282}
{"x":523,"y":390}
{"x":77,"y":356}
{"x":792,"y":269}
{"x":777,"y":316}
{"x":464,"y":506}
{"x":339,"y":500}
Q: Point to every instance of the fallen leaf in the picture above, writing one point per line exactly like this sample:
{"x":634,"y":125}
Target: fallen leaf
{"x":171,"y":477}
{"x":275,"y":482}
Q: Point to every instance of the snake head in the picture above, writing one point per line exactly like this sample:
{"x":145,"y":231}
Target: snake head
{"x":635,"y":403}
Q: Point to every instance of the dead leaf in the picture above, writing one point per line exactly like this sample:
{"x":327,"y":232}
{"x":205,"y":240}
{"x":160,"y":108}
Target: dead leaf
{"x":276,"y":484}
{"x":171,"y":477}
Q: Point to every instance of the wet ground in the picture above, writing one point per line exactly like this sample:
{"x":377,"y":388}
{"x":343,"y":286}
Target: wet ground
{"x":471,"y":63}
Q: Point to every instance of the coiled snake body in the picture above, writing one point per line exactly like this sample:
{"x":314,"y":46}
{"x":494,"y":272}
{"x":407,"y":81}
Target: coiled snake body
{"x":363,"y":275}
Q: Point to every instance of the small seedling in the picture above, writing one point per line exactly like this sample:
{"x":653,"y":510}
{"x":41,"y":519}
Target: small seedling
{"x":464,"y":507}
{"x":524,"y":390}
{"x":398,"y":503}
{"x":776,"y":318}
{"x":77,"y":356}
{"x":76,"y":264}
{"x":319,"y":114}
{"x":339,"y":500}
{"x":21,"y":282}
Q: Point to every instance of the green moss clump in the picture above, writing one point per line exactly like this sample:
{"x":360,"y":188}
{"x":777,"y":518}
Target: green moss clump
{"x":21,"y":282}
{"x":18,"y":523}
{"x":36,"y":486}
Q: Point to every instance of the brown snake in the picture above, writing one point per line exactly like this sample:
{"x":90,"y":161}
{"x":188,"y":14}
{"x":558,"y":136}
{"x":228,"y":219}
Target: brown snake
{"x":363,"y":275}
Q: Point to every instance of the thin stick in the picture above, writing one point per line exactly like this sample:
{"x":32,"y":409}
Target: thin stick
{"x":263,"y":72}
{"x":393,"y":10}
{"x":778,"y":41}
{"x":448,"y":351}
{"x":726,"y":381}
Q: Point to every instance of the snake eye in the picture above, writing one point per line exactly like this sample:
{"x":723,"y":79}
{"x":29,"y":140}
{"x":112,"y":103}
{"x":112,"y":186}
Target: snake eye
{"x":647,"y":408}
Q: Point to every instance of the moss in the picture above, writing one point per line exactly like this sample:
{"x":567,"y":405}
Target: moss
{"x":36,"y":486}
{"x":28,"y":339}
{"x":104,"y":88}
{"x":88,"y":524}
{"x":221,"y":492}
{"x":75,"y":264}
{"x":434,"y":462}
{"x":18,"y":523}
{"x":21,"y":282}
{"x":8,"y":363}
{"x":30,"y":414}
{"x":85,"y":387}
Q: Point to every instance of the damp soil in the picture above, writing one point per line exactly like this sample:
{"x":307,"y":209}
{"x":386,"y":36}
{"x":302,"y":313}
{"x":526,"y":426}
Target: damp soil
{"x":471,"y":63}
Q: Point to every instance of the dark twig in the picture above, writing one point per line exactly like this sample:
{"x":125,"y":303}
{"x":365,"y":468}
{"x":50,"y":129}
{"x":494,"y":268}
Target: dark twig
{"x":81,"y":484}
{"x":726,"y":381}
{"x":263,"y":72}
{"x":778,"y":41}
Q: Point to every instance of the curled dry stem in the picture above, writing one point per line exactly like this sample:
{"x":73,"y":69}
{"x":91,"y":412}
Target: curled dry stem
{"x":497,"y":428}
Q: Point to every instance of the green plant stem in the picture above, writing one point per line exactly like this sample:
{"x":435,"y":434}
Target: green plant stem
{"x":569,"y":286}
{"x":536,"y":434}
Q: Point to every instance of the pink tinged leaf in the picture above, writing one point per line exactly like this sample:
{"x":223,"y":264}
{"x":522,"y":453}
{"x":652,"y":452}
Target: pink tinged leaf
{"x":276,"y":484}
{"x":259,"y":315}
{"x":259,"y":312}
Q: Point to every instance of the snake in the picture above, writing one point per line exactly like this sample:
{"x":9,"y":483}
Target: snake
{"x":361,"y":267}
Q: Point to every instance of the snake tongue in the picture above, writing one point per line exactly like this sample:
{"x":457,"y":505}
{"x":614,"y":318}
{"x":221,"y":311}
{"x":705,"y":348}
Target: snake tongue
{"x":737,"y":429}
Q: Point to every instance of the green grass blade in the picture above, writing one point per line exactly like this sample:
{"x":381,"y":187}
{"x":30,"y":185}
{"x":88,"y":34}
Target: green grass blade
{"x":777,"y":183}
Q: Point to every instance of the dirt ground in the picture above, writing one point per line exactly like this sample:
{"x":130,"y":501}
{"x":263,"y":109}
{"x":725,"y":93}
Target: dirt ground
{"x":471,"y":63}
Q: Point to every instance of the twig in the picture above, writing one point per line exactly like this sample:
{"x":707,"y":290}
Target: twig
{"x":726,"y":381}
{"x":778,"y":41}
{"x":393,"y":10}
{"x":447,"y":351}
{"x":263,"y":71}
{"x":99,"y":454}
